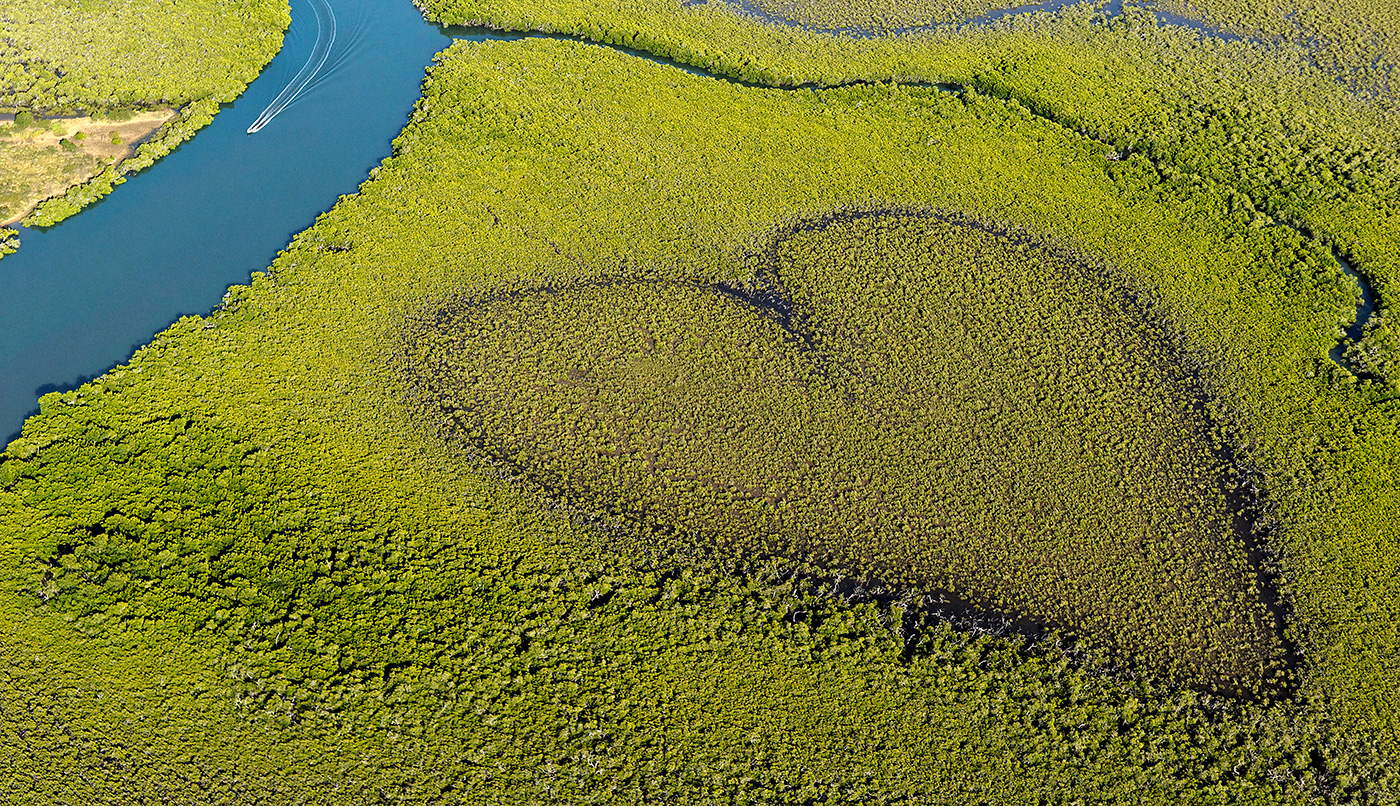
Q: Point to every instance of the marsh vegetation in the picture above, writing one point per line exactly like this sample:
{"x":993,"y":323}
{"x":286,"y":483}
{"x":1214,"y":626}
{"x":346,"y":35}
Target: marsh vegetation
{"x":622,"y":285}
{"x":936,"y":406}
{"x":73,"y":55}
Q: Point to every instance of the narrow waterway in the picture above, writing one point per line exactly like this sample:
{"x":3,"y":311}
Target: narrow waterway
{"x":78,"y":298}
{"x":1365,"y":307}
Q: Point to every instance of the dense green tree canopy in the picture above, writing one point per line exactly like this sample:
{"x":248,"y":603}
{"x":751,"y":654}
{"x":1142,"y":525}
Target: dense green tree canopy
{"x":63,"y":55}
{"x":619,"y":439}
{"x":342,"y":593}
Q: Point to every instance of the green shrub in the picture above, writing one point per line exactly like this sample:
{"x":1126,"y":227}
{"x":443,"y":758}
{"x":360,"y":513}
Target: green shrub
{"x":242,"y":566}
{"x":941,"y":407}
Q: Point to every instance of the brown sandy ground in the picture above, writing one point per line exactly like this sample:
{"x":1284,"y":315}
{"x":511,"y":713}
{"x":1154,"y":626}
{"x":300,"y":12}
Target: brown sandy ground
{"x":35,"y":164}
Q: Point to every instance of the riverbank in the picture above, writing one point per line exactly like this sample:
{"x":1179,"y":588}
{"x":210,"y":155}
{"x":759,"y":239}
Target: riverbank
{"x":249,"y":502}
{"x":48,"y":157}
{"x":77,"y":298}
{"x":133,"y":55}
{"x":179,"y":129}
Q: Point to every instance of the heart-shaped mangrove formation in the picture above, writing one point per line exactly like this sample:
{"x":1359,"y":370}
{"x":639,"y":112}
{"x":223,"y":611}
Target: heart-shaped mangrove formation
{"x":913,"y":398}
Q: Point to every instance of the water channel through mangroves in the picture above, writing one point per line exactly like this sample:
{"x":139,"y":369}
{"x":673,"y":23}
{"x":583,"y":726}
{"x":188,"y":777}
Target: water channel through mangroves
{"x":1111,"y":8}
{"x":1365,"y":308}
{"x":326,"y":29}
{"x":80,"y":297}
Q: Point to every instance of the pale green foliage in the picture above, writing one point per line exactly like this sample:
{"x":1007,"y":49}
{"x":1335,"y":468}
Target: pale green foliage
{"x":1356,"y":40}
{"x":113,"y":55}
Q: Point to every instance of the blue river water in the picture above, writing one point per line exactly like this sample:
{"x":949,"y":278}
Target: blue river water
{"x":80,"y":297}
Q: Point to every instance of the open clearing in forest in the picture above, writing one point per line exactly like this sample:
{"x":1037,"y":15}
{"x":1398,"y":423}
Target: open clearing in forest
{"x":921,"y":400}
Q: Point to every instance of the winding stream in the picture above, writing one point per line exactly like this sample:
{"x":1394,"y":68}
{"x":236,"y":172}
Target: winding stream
{"x":80,"y":297}
{"x":1365,"y":307}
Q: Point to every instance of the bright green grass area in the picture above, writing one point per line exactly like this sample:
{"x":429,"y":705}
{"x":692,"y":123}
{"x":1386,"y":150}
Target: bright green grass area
{"x":354,"y":613}
{"x":948,"y":410}
{"x":63,"y":55}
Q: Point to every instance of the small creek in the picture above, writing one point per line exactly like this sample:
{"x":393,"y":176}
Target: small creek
{"x":80,"y":297}
{"x":1365,"y":307}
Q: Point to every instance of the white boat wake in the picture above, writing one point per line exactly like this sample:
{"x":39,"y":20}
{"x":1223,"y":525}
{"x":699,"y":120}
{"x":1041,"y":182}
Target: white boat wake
{"x":325,"y":37}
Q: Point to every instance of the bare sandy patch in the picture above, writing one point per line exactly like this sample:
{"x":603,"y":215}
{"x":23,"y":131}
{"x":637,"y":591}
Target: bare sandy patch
{"x":35,"y":164}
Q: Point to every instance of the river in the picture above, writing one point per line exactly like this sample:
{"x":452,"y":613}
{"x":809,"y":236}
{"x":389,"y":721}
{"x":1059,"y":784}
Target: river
{"x":80,"y":297}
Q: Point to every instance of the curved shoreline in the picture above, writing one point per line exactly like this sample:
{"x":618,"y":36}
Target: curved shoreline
{"x":79,"y":299}
{"x":97,"y":132}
